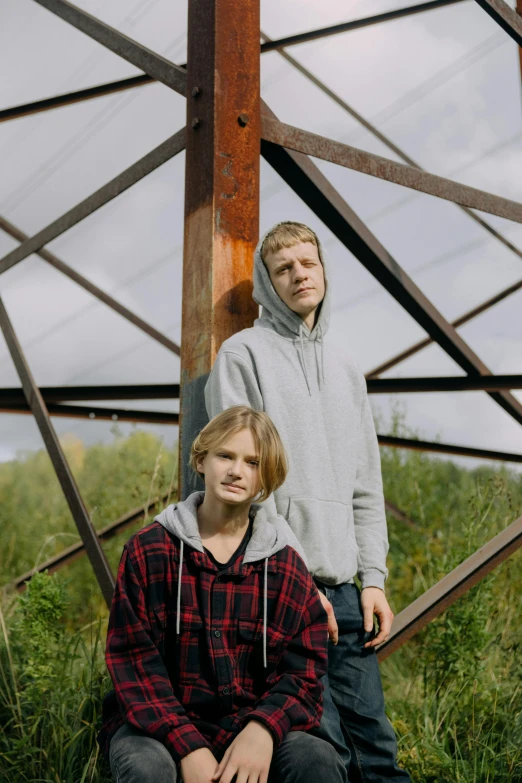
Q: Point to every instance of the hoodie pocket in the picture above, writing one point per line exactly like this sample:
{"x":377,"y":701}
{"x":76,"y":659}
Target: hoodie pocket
{"x":325,"y":530}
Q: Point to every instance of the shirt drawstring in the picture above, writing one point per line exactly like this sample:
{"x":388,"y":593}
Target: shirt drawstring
{"x":265,"y":602}
{"x":178,"y":602}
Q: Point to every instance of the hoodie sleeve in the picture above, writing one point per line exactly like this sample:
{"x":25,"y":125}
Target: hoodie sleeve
{"x":233,"y":381}
{"x":143,"y":689}
{"x":294,"y":701}
{"x":368,"y":505}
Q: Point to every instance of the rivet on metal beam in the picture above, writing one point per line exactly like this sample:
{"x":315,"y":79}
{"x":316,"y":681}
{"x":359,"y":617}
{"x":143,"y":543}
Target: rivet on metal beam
{"x":196,"y":92}
{"x":243,"y":120}
{"x":196,"y":122}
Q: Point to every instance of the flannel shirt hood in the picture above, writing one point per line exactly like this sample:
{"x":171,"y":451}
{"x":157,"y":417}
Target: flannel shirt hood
{"x":269,"y":536}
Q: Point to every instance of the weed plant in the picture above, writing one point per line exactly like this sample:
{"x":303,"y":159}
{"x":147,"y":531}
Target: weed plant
{"x":51,"y":685}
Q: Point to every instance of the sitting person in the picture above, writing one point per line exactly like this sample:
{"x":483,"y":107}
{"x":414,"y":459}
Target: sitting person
{"x":217,"y":637}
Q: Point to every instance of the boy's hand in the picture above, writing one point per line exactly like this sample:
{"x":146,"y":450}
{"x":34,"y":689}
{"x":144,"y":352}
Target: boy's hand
{"x":333,"y":630}
{"x":198,"y":767}
{"x":373,"y":602}
{"x":248,"y":757}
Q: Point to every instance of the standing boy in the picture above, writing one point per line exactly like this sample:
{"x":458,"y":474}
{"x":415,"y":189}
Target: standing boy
{"x":316,"y":396}
{"x":217,"y":637}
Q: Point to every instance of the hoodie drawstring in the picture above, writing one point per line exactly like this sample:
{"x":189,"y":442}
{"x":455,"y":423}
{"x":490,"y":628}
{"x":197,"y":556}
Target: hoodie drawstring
{"x":265,"y":601}
{"x":320,"y":361}
{"x":178,"y":602}
{"x":319,"y":358}
{"x":302,"y":358}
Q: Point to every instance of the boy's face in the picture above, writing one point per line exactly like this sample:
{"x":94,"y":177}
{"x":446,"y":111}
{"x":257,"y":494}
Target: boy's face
{"x":297,"y":275}
{"x":231,"y":471}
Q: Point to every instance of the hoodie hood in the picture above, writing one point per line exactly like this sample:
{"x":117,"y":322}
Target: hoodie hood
{"x":276,"y":315}
{"x":270,"y":534}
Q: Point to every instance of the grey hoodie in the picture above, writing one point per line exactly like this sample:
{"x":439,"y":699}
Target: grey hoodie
{"x":316,"y":397}
{"x":270,"y":534}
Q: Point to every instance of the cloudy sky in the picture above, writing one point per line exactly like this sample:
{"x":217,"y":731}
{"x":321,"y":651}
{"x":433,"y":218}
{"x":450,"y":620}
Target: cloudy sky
{"x":444,"y":86}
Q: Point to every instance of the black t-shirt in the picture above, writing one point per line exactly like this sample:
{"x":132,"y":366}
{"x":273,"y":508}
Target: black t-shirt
{"x":240,"y":551}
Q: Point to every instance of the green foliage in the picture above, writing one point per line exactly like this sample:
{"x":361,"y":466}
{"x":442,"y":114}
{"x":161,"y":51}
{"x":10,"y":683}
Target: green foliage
{"x":52,"y":683}
{"x":35,"y":522}
{"x":453,"y":693}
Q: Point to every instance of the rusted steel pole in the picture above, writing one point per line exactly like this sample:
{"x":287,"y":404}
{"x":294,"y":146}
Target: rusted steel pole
{"x":221,"y":195}
{"x":63,"y":472}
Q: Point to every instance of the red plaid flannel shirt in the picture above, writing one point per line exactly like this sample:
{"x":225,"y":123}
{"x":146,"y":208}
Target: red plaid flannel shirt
{"x":199,"y":689}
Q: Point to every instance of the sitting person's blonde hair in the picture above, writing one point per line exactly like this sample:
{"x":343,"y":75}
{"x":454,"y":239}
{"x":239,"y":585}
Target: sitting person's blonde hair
{"x":287,"y":234}
{"x":273,"y":466}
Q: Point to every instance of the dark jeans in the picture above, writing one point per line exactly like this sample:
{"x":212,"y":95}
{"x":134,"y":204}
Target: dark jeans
{"x":354,"y":720}
{"x":301,"y":758}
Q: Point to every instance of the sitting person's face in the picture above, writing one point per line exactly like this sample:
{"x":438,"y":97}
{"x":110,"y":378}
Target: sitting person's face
{"x":231,"y":470}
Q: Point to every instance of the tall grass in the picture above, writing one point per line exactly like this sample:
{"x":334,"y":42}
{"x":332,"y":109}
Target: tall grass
{"x":51,"y":685}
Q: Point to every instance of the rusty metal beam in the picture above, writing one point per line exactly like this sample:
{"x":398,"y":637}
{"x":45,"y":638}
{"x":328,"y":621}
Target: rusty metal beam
{"x":90,"y":412}
{"x":441,"y":596}
{"x":446,"y":448}
{"x":519,"y":12}
{"x":82,"y":281}
{"x":63,"y":472}
{"x":464,"y":318}
{"x":75,"y":551}
{"x":353,"y":158}
{"x":150,"y":391}
{"x":161,"y":154}
{"x":504,"y":16}
{"x":355,"y":24}
{"x":67,"y":99}
{"x":127,"y":49}
{"x":152,"y":64}
{"x":301,"y":174}
{"x":387,"y":141}
{"x":221,"y":195}
{"x":443,"y":384}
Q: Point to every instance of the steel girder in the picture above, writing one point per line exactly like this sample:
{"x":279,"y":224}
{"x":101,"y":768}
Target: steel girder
{"x":63,"y":472}
{"x":161,"y":154}
{"x":451,"y":587}
{"x":82,"y":281}
{"x":410,"y":177}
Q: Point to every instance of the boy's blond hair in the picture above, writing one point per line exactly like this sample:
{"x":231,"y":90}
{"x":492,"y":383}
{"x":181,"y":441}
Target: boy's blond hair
{"x":287,"y":234}
{"x":273,"y":466}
